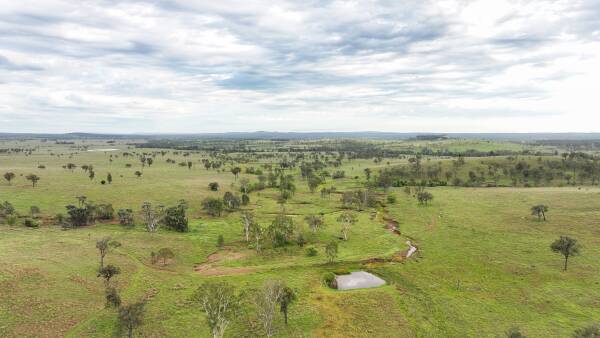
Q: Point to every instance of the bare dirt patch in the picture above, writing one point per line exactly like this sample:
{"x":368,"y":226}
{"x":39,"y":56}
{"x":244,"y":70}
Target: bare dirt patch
{"x":212,"y":265}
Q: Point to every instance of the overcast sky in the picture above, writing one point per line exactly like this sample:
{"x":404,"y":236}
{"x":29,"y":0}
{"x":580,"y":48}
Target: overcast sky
{"x":213,"y":66}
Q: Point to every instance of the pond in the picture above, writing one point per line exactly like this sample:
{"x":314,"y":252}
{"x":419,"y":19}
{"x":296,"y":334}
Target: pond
{"x":358,"y":280}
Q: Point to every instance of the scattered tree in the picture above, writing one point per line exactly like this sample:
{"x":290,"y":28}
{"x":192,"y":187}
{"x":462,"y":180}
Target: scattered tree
{"x":152,"y":216}
{"x":130,"y":317}
{"x":540,"y":211}
{"x":9,"y":176}
{"x":314,"y":222}
{"x":104,"y":245}
{"x":331,"y":250}
{"x":566,"y":246}
{"x":266,"y":301}
{"x":347,"y":219}
{"x":220,"y":304}
{"x":33,"y":178}
{"x":108,"y":272}
{"x":165,"y":254}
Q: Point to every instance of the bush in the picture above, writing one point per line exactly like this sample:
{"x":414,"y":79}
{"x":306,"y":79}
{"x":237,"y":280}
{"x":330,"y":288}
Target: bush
{"x":329,"y":280}
{"x":105,"y":211}
{"x":176,"y":219}
{"x":125,"y":217}
{"x":11,"y":220}
{"x":30,"y":223}
{"x":311,"y":252}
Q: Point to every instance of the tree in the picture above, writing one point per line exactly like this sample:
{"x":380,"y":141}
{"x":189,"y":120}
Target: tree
{"x":314,"y":222}
{"x":566,"y":246}
{"x":112,"y":297}
{"x":287,"y":298}
{"x":244,"y":183}
{"x":175,"y":218}
{"x":281,"y":230}
{"x":165,"y":254}
{"x":92,"y":174}
{"x":152,"y":216}
{"x":245,"y":199}
{"x":130,"y":317}
{"x":257,"y":232}
{"x":424,"y":197}
{"x":331,"y":250}
{"x":231,"y":201}
{"x":220,"y":304}
{"x":104,"y":245}
{"x":108,"y":272}
{"x":6,"y":209}
{"x":213,"y":186}
{"x":213,"y":206}
{"x":189,"y":165}
{"x":347,"y":219}
{"x":591,"y":331}
{"x":540,"y":211}
{"x":138,"y":173}
{"x":109,"y":178}
{"x":367,"y":173}
{"x":236,"y":171}
{"x":125,"y":217}
{"x":313,"y":182}
{"x":266,"y":301}
{"x":33,"y":178}
{"x":220,"y":242}
{"x":9,"y":176}
{"x":247,"y":220}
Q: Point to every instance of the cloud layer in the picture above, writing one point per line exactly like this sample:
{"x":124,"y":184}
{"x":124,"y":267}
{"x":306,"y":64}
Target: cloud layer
{"x":201,"y":66}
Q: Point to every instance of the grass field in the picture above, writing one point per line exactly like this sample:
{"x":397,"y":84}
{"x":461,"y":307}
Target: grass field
{"x":483,"y":266}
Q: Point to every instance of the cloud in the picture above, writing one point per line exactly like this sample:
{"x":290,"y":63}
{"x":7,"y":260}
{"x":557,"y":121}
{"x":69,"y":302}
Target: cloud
{"x":195,"y":66}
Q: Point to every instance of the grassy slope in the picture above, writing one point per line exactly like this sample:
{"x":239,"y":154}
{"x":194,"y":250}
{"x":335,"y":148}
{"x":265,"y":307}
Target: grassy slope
{"x":483,"y":238}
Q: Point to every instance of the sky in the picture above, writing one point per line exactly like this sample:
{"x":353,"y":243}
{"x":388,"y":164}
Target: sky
{"x":186,"y":66}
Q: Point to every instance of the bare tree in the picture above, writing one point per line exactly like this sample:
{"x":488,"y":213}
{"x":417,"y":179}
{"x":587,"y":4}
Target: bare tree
{"x":247,"y":220}
{"x":220,"y":304}
{"x":266,"y":301}
{"x":347,"y":219}
{"x":152,"y":216}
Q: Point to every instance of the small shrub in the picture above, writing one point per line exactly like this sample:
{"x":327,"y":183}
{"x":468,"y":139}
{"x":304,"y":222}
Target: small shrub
{"x":11,"y":220}
{"x":311,"y":252}
{"x":329,"y":280}
{"x":30,"y":223}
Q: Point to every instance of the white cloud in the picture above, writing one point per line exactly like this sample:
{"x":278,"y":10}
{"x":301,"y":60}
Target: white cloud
{"x":196,"y":66}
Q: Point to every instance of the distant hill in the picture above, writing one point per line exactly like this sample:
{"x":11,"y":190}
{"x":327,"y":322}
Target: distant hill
{"x":267,"y":135}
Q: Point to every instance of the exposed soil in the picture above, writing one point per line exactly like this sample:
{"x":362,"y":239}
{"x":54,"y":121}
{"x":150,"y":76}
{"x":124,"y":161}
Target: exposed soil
{"x":211,"y":266}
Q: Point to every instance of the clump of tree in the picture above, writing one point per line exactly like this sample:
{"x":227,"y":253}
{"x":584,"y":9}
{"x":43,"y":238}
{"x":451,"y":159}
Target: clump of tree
{"x":358,"y":199}
{"x":281,"y":230}
{"x":315,"y":222}
{"x":231,"y":201}
{"x":566,"y":246}
{"x":175,"y":217}
{"x":220,"y":303}
{"x":125,"y":217}
{"x":213,"y":206}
